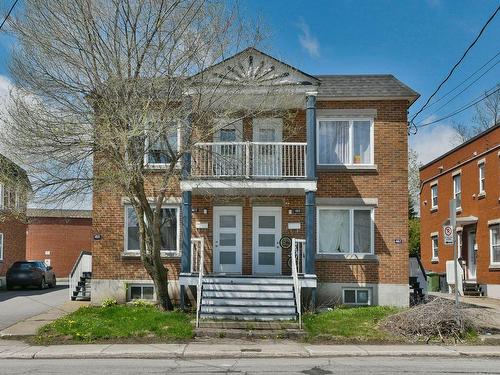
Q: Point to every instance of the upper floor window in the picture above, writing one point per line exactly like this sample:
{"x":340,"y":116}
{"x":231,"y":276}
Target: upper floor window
{"x":169,"y":230}
{"x":495,"y":244}
{"x":482,"y":178}
{"x":1,"y":246}
{"x":434,"y":196}
{"x":457,"y":190}
{"x":345,"y":142}
{"x":161,"y":149}
{"x":345,"y":230}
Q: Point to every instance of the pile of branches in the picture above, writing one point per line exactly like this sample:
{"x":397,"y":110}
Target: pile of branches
{"x":438,"y":319}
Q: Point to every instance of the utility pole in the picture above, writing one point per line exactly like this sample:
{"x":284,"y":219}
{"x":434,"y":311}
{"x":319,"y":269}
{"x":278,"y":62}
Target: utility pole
{"x":453,"y":223}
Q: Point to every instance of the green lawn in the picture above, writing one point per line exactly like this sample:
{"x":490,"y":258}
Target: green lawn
{"x":119,"y":322}
{"x":348,"y":324}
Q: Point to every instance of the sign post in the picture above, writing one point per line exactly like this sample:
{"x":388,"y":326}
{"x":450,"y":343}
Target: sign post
{"x":453,"y":225}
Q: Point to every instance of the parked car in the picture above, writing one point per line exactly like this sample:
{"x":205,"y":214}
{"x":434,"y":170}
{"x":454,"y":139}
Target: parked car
{"x":30,"y":273}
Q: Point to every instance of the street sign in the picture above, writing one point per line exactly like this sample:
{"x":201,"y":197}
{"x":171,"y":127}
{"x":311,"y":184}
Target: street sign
{"x":448,"y":234}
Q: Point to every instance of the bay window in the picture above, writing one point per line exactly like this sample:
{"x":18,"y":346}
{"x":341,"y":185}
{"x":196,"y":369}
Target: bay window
{"x":345,"y":141}
{"x":169,"y":230}
{"x":345,"y":230}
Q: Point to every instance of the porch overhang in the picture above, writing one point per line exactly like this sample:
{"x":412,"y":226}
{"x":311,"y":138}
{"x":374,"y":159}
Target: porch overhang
{"x":249,"y":187}
{"x":463,"y":221}
{"x":191,"y":279}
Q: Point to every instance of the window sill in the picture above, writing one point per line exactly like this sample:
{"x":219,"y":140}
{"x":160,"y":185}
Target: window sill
{"x":132,"y":255}
{"x":481,"y":195}
{"x":494,"y":267}
{"x":348,"y":257}
{"x":158,"y":167}
{"x":459,"y":210}
{"x":434,"y":209}
{"x":434,"y":260}
{"x":351,"y":167}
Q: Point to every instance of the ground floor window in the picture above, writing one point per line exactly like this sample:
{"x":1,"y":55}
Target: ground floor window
{"x":169,"y":230}
{"x":356,"y":296}
{"x":495,"y":244}
{"x":345,"y":230}
{"x":140,"y":291}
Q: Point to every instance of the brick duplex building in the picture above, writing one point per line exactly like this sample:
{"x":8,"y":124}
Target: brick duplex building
{"x":332,"y":175}
{"x":471,"y":174}
{"x":14,"y":187}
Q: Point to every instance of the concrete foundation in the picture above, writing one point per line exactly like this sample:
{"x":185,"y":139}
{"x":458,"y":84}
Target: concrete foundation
{"x":492,"y":290}
{"x":330,"y":294}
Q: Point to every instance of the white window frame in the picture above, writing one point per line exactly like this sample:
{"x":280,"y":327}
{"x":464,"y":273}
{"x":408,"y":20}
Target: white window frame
{"x":172,"y":253}
{"x":455,"y":192}
{"x":482,"y":177}
{"x":434,"y":249}
{"x":149,"y":165}
{"x":142,"y":286}
{"x":351,"y":210}
{"x":434,"y":185}
{"x":1,"y":196}
{"x":1,"y":246}
{"x":356,"y":289}
{"x":351,"y":140}
{"x":492,"y":263}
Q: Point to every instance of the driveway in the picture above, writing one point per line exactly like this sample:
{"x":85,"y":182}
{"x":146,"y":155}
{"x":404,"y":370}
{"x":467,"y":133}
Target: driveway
{"x":18,"y":305}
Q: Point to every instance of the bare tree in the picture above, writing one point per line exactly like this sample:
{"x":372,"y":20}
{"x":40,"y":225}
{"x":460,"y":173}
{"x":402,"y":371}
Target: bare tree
{"x":486,"y":114}
{"x":103,"y":87}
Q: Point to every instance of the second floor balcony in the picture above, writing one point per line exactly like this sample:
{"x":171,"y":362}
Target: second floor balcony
{"x":249,"y":160}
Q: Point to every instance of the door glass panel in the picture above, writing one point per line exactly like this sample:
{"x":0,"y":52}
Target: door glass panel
{"x":228,"y":135}
{"x":267,"y":135}
{"x":266,"y":240}
{"x":266,"y":259}
{"x":227,"y":257}
{"x":267,"y":222}
{"x":227,"y":221}
{"x":227,"y":239}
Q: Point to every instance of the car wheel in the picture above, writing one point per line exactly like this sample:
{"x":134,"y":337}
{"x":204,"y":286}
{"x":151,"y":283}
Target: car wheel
{"x":53,"y":283}
{"x":43,"y":284}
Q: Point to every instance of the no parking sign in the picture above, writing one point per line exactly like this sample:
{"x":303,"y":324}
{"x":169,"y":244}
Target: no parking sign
{"x":448,"y":234}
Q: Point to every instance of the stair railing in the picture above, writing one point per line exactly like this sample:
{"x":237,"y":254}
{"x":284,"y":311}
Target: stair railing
{"x":83,"y":264}
{"x":297,"y":246}
{"x":198,"y":260}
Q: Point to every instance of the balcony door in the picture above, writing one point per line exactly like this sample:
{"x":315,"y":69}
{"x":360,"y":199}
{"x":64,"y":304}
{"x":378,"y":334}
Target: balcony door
{"x":267,"y":157}
{"x":227,"y":239}
{"x":228,"y":152}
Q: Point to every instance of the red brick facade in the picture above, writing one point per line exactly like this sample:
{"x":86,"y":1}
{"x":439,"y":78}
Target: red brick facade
{"x":59,"y":240}
{"x":387,"y":183}
{"x":465,"y":160}
{"x":14,"y":243}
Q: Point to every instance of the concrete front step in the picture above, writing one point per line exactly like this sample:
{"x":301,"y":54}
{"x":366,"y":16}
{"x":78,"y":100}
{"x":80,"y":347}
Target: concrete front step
{"x":248,"y":325}
{"x":248,"y":310}
{"x":288,"y":302}
{"x":287,"y":280}
{"x":249,"y":333}
{"x":246,"y":294}
{"x":249,"y":287}
{"x":248,"y":317}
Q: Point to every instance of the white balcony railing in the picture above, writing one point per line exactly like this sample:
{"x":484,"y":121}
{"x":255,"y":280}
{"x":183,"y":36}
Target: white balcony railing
{"x":249,"y":160}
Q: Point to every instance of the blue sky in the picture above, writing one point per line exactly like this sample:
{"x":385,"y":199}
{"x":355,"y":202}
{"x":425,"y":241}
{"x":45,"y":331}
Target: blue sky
{"x":416,"y":40}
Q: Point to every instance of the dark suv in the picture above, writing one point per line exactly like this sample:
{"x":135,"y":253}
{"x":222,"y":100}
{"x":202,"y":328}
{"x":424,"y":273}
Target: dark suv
{"x":30,"y":273}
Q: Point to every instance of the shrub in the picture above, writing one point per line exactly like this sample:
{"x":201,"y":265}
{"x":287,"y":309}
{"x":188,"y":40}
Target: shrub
{"x":108,"y":302}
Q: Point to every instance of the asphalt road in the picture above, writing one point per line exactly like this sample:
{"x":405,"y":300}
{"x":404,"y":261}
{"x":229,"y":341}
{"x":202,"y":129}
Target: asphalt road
{"x":20,"y":304}
{"x":308,"y":366}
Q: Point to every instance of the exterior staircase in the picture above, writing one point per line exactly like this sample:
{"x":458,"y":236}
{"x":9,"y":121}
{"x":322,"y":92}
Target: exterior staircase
{"x":472,"y":289}
{"x":83,"y":288}
{"x":248,"y":298}
{"x":417,"y":294}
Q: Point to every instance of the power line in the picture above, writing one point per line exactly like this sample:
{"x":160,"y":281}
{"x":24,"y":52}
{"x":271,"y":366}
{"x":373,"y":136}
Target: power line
{"x":456,"y":65}
{"x":461,"y":109}
{"x":8,"y":13}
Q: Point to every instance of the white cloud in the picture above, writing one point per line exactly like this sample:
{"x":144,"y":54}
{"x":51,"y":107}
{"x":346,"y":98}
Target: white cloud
{"x":308,"y":41}
{"x":433,"y":141}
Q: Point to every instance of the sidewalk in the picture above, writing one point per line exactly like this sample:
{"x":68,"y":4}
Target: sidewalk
{"x":31,"y":325}
{"x":18,"y":350}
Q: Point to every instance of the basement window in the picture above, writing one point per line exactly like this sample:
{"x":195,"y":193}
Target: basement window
{"x":140,"y":291}
{"x":356,"y":296}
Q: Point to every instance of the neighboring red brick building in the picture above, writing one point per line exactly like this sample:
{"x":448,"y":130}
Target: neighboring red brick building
{"x":57,"y":237}
{"x":471,"y":172}
{"x":354,"y":191}
{"x":14,"y":189}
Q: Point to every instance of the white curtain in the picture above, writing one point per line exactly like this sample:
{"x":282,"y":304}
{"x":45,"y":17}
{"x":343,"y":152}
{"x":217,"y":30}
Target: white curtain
{"x":361,"y":147}
{"x":333,"y":142}
{"x":362,"y":231}
{"x":333,"y":228}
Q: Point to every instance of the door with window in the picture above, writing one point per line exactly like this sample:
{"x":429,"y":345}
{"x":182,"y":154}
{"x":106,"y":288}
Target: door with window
{"x":472,"y":256}
{"x":227,"y":239}
{"x":228,"y":152}
{"x":267,"y":157}
{"x":265,"y":239}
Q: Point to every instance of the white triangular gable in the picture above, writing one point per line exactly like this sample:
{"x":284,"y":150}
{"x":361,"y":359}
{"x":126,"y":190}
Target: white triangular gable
{"x":254,"y":68}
